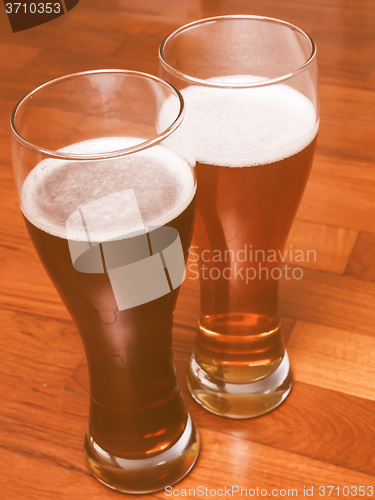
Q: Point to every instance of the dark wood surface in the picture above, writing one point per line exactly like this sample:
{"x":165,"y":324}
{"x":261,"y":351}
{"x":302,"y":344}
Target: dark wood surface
{"x":324,"y":433}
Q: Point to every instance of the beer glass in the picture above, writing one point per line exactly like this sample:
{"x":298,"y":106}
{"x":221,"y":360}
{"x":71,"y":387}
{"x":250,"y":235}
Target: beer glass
{"x":250,"y":90}
{"x":108,"y":196}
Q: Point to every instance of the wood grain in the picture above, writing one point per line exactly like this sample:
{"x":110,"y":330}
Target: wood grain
{"x":318,"y":246}
{"x":339,"y":360}
{"x":362,"y":259}
{"x":324,"y":433}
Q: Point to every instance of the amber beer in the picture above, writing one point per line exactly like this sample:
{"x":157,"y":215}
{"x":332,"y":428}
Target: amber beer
{"x":255,"y":148}
{"x":239,"y":337}
{"x":136,"y":410}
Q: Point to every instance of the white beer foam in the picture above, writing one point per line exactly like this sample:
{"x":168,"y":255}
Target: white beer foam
{"x":252,"y":126}
{"x":163,"y":184}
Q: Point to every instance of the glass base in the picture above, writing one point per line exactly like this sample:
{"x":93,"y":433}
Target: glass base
{"x":240,"y":401}
{"x":149,"y":474}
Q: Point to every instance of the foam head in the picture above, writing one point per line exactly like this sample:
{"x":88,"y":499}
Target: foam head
{"x":160,"y":184}
{"x":238,"y":127}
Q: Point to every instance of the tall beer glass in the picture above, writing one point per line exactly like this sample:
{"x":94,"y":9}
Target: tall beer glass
{"x":108,"y":199}
{"x":250,"y":90}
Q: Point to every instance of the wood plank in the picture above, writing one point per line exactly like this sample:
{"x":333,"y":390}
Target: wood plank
{"x":340,"y":191}
{"x":318,"y":246}
{"x":348,"y":62}
{"x":5,"y":149}
{"x":38,"y":349}
{"x":341,"y":101}
{"x":55,"y":481}
{"x":30,"y":297}
{"x":370,"y":81}
{"x":339,"y":301}
{"x":52,"y":422}
{"x":335,"y":359}
{"x":362,"y":259}
{"x":25,"y":55}
{"x":349,"y":135}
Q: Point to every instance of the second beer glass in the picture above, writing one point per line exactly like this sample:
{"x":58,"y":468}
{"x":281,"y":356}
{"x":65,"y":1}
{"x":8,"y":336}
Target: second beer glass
{"x":250,"y":89}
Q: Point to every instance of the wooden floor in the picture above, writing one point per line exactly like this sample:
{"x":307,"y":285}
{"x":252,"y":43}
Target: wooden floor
{"x":324,"y":434}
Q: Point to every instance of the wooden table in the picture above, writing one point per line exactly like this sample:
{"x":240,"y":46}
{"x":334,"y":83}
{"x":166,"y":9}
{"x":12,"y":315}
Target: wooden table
{"x":323,"y":435}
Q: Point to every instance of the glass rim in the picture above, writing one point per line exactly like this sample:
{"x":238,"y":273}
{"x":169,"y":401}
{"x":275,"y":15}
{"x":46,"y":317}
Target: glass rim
{"x":259,"y":83}
{"x":106,"y":155}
